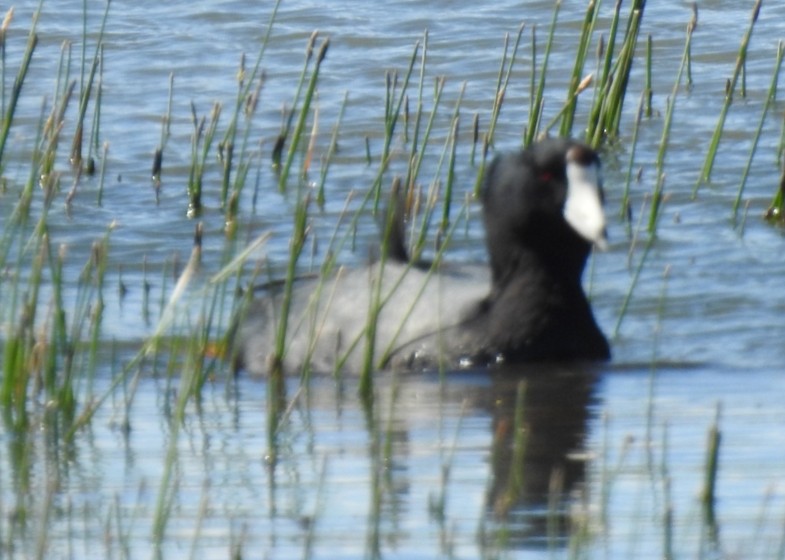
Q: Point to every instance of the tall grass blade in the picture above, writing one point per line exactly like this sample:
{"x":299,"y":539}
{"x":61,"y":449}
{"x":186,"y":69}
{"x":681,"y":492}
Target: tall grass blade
{"x":711,"y":154}
{"x":304,"y":111}
{"x":16,"y":90}
{"x":87,"y":87}
{"x":770,"y":98}
{"x":665,"y":139}
{"x":537,"y":102}
{"x":577,"y":79}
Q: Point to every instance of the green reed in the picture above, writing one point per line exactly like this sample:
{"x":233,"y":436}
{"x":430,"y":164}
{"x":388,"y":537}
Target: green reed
{"x":246,"y":103}
{"x":242,"y":164}
{"x":158,"y":154}
{"x":304,"y":111}
{"x":419,"y":109}
{"x":16,"y":89}
{"x":392,"y":114}
{"x":625,"y":212}
{"x":23,"y":353}
{"x":648,"y":91}
{"x":770,"y":98}
{"x":376,"y":301}
{"x":624,"y":64}
{"x":86,"y":87}
{"x":730,"y":89}
{"x":201,"y":141}
{"x":611,"y":87}
{"x":693,"y":23}
{"x":93,"y":144}
{"x":536,"y":102}
{"x":331,"y":151}
{"x":63,"y":93}
{"x":605,"y":51}
{"x":657,"y":195}
{"x":102,"y":174}
{"x":636,"y":274}
{"x":237,"y":161}
{"x":276,"y":394}
{"x":503,"y":81}
{"x":775,"y":210}
{"x":577,"y":78}
{"x":781,"y":145}
{"x":3,"y":32}
{"x":283,"y":136}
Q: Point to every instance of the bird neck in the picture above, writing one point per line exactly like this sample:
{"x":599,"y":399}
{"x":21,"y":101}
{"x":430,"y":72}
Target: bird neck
{"x":557,"y":268}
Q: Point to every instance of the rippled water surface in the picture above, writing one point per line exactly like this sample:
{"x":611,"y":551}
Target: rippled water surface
{"x":428,"y":472}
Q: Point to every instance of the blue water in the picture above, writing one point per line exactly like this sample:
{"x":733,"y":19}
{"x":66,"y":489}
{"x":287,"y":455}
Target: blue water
{"x":703,"y":331}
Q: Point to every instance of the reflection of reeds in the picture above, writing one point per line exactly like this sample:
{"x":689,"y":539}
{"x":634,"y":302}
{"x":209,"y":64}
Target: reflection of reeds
{"x":515,"y":485}
{"x":709,"y":493}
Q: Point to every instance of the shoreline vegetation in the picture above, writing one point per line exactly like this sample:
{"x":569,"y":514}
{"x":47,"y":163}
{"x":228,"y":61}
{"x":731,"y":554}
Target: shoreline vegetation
{"x":53,"y":310}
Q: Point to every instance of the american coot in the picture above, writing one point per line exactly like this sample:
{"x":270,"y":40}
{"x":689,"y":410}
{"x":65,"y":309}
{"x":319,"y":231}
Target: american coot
{"x":542,"y":210}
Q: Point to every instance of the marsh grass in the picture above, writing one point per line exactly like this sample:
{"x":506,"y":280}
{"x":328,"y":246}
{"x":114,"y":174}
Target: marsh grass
{"x":657,"y":195}
{"x":16,"y":89}
{"x":656,"y":199}
{"x":769,"y":100}
{"x":614,"y":75}
{"x":158,"y":155}
{"x":86,"y":88}
{"x":775,"y":210}
{"x":741,"y":58}
{"x":52,"y":339}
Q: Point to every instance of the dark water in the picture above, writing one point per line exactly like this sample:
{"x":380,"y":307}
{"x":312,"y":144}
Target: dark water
{"x":701,"y":339}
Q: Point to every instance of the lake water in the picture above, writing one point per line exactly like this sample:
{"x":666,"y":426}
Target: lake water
{"x":427,"y":474}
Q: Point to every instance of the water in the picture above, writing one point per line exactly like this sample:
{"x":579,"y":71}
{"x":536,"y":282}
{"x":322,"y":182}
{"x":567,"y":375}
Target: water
{"x":702,"y":335}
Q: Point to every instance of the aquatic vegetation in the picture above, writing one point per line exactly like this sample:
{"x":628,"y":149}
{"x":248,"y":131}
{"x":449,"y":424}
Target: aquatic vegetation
{"x":216,"y":167}
{"x":730,"y":90}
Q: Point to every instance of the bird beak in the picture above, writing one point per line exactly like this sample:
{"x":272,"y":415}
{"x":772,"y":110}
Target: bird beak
{"x":583,"y":206}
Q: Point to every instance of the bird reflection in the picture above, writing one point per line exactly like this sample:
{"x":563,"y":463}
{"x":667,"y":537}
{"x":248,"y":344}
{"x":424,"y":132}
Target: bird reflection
{"x":540,"y":416}
{"x":532,"y":422}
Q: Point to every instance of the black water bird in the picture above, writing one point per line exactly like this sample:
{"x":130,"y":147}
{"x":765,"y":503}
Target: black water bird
{"x":542,"y":211}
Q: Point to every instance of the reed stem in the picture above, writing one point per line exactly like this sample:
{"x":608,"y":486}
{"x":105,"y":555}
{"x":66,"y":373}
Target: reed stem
{"x":770,"y":98}
{"x":711,"y":154}
{"x":16,"y":90}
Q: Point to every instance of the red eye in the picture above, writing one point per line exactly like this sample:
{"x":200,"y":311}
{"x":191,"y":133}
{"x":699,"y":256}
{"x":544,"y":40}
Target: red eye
{"x":546,"y":176}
